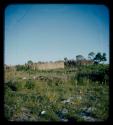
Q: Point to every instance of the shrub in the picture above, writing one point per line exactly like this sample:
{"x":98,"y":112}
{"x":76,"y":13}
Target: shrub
{"x":8,"y":111}
{"x":22,"y":68}
{"x":29,"y":84}
{"x":95,"y":73}
{"x":12,"y":85}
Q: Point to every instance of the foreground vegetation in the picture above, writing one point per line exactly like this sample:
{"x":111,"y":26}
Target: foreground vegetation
{"x":76,"y":94}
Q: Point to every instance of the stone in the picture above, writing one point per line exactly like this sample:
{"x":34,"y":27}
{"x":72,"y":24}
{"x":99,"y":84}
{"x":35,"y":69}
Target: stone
{"x":34,"y":77}
{"x":43,"y":112}
{"x":86,"y":114}
{"x":64,"y":120}
{"x":67,"y":100}
{"x":64,"y":111}
{"x":89,"y":118}
{"x":90,"y":109}
{"x":24,"y":78}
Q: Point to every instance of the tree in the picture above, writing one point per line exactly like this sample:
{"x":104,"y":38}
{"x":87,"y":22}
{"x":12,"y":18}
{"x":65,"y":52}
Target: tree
{"x":99,"y":58}
{"x":91,"y":56}
{"x":79,"y":58}
{"x":104,"y":57}
{"x":65,"y":62}
{"x":29,"y":62}
{"x":29,"y":66}
{"x":65,"y":59}
{"x":20,"y":67}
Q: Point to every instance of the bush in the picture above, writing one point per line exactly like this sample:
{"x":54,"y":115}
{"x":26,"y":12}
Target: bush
{"x":12,"y":85}
{"x":8,"y":111}
{"x":29,"y":84}
{"x":22,"y":68}
{"x":95,"y":73}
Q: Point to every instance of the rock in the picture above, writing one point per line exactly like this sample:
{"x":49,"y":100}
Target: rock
{"x":68,"y":100}
{"x":34,"y":77}
{"x":90,"y":109}
{"x":64,"y":120}
{"x":61,"y":114}
{"x":87,"y":111}
{"x":64,"y":111}
{"x":86,"y":114}
{"x":24,"y":78}
{"x":90,"y":119}
{"x":43,"y":112}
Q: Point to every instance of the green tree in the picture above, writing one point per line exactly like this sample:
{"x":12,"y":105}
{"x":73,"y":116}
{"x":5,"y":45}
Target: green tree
{"x":29,"y":62}
{"x":66,"y":62}
{"x":100,"y":57}
{"x":91,"y":55}
{"x":65,"y":59}
{"x":79,"y":58}
{"x":104,"y":57}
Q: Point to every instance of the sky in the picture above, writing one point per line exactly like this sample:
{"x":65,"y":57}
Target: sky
{"x":50,"y":32}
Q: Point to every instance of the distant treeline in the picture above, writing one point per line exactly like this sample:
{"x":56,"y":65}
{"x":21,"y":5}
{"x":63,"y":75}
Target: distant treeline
{"x":68,"y":63}
{"x":80,"y":60}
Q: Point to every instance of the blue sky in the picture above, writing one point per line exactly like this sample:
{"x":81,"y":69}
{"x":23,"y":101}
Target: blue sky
{"x":49,"y":32}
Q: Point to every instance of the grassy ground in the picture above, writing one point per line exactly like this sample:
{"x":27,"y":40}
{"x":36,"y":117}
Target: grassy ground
{"x":54,"y":95}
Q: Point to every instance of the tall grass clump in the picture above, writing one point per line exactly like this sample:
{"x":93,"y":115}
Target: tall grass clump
{"x":29,"y":84}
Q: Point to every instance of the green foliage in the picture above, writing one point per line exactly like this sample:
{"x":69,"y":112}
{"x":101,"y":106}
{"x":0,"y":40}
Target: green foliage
{"x":65,"y":59}
{"x":22,"y":68}
{"x":29,"y":62}
{"x":104,"y":57}
{"x":13,"y":85}
{"x":54,"y":87}
{"x":93,"y":73}
{"x":99,"y":57}
{"x":79,"y":57}
{"x":91,"y":55}
{"x":29,"y":84}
